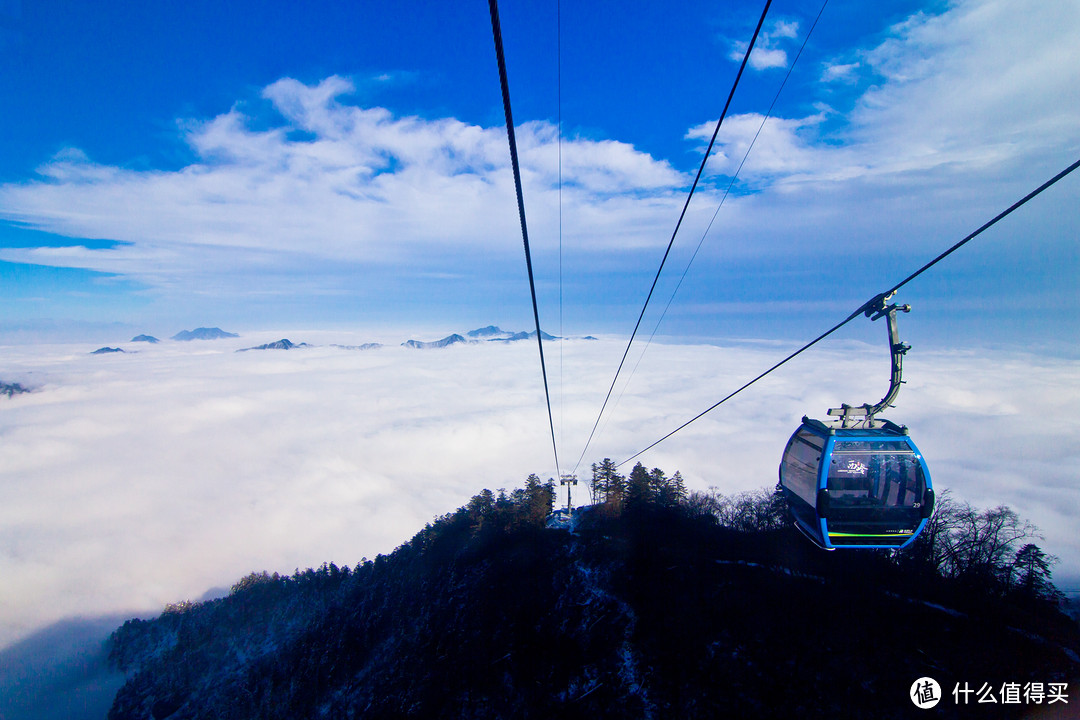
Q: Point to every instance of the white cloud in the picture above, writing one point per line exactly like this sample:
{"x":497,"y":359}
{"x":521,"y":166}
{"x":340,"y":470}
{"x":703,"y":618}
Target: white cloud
{"x":356,"y":185}
{"x":840,"y":72}
{"x":784,"y":146}
{"x":788,"y":29}
{"x":130,"y":481}
{"x":981,"y":87}
{"x":968,"y":111}
{"x":984,"y":83}
{"x":764,"y":58}
{"x":767,"y":54}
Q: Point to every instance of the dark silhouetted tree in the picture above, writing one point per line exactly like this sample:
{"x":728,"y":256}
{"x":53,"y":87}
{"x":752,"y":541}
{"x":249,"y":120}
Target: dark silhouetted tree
{"x":983,"y":545}
{"x":639,"y":486}
{"x":703,"y":503}
{"x":935,"y":543}
{"x":607,"y":485}
{"x":657,"y":483}
{"x":676,"y":488}
{"x":481,"y":505}
{"x":1031,"y":574}
{"x":750,"y":511}
{"x":539,"y":499}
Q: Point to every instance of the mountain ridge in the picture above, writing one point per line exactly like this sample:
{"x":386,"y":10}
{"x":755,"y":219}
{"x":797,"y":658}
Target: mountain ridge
{"x":489,"y":333}
{"x":447,"y":341}
{"x":203,"y":333}
{"x":282,"y":344}
{"x":648,"y":610}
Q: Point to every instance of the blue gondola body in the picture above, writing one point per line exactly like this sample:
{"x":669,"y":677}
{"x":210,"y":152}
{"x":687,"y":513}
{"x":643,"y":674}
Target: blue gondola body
{"x":856,"y":488}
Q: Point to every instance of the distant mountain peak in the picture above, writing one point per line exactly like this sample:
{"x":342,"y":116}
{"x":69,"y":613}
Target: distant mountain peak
{"x":203,"y":333}
{"x":145,"y":338}
{"x":106,"y":351}
{"x":485,"y":332}
{"x":514,"y":337}
{"x":11,"y":389}
{"x":446,"y":341}
{"x":282,"y":344}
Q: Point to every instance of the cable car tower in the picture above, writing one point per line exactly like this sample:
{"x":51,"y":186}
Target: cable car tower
{"x":568,"y":481}
{"x":859,"y":482}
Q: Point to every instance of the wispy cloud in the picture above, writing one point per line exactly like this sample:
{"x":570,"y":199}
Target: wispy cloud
{"x":134,"y":480}
{"x":840,"y":72}
{"x":768,"y":52}
{"x":958,"y":89}
{"x":934,"y":130}
{"x":985,"y":84}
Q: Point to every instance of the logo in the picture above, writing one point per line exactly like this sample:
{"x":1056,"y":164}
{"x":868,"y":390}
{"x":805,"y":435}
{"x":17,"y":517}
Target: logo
{"x":925,"y":693}
{"x":854,"y":467}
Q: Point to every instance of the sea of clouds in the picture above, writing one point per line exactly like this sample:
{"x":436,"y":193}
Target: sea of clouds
{"x":128,"y":481}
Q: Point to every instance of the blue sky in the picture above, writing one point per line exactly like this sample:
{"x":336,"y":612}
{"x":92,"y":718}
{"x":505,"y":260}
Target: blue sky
{"x":345,"y":165}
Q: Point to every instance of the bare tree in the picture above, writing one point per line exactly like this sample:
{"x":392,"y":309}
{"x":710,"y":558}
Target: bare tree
{"x":753,"y":510}
{"x":984,"y":544}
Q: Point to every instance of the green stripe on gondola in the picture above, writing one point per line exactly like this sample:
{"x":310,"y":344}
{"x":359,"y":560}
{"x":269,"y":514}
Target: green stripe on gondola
{"x":899,"y":534}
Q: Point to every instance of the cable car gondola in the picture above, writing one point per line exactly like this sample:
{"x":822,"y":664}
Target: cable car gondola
{"x":859,"y":482}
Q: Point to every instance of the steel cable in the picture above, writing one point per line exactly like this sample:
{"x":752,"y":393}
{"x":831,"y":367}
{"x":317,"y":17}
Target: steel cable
{"x":986,"y":226}
{"x":678,"y":224}
{"x":496,"y":30}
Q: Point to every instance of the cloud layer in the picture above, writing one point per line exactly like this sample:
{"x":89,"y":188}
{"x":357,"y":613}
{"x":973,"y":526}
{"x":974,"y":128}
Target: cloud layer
{"x":130,"y":481}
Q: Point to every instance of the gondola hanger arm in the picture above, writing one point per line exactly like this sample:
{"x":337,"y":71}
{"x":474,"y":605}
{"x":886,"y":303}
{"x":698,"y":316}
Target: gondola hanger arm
{"x":875,"y":309}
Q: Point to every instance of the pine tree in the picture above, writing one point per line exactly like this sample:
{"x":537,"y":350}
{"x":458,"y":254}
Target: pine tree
{"x":607,"y":485}
{"x":638,"y":486}
{"x":539,"y":499}
{"x":481,"y":505}
{"x":657,"y":485}
{"x":1031,"y":568}
{"x":678,"y":487}
{"x":669,"y":491}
